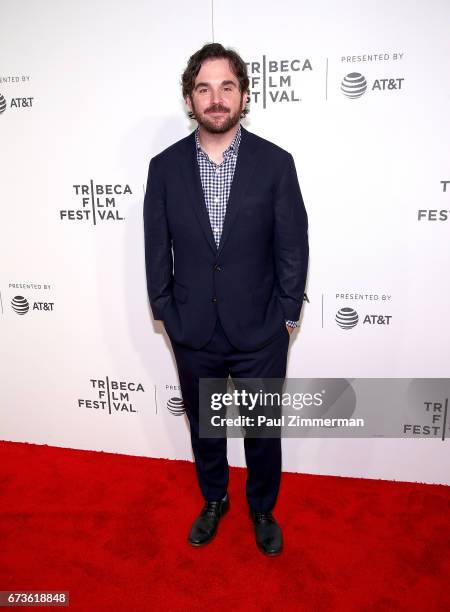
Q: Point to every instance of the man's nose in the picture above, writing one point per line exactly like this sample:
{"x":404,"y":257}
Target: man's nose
{"x":216,"y":96}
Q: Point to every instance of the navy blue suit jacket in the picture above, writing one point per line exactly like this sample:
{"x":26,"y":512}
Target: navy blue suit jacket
{"x":256,"y":279}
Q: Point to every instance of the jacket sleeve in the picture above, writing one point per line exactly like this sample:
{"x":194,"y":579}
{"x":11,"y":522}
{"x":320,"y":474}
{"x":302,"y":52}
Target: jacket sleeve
{"x":158,"y":244}
{"x":291,"y":248}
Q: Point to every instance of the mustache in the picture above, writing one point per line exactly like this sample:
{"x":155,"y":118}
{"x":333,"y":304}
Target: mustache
{"x":217,"y":109}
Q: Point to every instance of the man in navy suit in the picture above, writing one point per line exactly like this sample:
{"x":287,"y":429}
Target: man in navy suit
{"x":226,"y":249}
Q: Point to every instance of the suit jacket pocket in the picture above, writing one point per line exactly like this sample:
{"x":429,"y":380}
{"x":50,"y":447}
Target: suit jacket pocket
{"x":180,"y":293}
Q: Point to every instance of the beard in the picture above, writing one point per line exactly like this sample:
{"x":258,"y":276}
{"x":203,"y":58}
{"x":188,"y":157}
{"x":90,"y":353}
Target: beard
{"x":217,"y":125}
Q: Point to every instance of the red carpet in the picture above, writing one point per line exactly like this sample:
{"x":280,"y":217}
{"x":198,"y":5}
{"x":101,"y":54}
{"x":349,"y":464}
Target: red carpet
{"x":111,"y":530}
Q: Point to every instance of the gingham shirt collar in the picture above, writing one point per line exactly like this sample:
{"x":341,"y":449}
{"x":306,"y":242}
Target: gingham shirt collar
{"x":232,"y":148}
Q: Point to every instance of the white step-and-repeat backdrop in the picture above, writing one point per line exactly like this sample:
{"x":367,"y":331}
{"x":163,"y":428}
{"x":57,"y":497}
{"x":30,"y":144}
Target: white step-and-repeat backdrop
{"x":90,"y":91}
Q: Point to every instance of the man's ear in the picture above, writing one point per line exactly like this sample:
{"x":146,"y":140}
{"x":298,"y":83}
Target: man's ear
{"x":188,"y":102}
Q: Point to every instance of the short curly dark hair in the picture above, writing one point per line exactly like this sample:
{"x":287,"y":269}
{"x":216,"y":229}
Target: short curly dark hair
{"x":215,"y":51}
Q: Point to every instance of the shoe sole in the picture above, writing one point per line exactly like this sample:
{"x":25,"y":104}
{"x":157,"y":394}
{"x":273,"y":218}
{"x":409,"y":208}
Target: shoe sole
{"x":200,"y":544}
{"x":269,"y":554}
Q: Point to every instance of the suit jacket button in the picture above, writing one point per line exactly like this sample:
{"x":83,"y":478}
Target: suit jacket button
{"x":217,"y":268}
{"x":214,"y":299}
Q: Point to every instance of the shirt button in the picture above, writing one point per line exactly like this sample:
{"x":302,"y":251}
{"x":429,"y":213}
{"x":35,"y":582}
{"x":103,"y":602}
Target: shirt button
{"x":216,"y":199}
{"x":214,"y":299}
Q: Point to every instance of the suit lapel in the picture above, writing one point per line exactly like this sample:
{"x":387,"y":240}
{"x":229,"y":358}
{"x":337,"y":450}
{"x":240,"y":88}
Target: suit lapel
{"x":246,"y":161}
{"x":191,"y":176}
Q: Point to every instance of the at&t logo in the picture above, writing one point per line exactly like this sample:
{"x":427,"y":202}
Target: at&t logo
{"x":347,"y":318}
{"x":21,"y":306}
{"x":354,"y":85}
{"x":175,"y":406}
{"x":15,"y":103}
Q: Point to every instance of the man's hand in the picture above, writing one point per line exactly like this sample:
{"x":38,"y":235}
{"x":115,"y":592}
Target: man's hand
{"x":290,"y":329}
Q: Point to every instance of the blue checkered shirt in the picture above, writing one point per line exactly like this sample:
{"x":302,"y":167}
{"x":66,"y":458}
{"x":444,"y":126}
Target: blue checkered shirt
{"x":216,"y":181}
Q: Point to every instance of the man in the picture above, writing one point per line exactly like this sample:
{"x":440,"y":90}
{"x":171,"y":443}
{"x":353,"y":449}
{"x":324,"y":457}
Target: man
{"x":226,"y":250}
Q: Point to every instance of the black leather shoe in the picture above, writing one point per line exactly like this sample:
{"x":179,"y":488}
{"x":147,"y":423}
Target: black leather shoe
{"x":205,"y":525}
{"x":267,"y":532}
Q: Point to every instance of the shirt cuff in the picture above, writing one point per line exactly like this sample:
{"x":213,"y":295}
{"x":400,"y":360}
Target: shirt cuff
{"x":292,"y":323}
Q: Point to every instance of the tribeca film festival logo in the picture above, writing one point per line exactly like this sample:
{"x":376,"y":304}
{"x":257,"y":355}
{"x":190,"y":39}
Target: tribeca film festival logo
{"x":276,"y":80}
{"x":14,"y":102}
{"x":22,"y":305}
{"x":436,"y":415}
{"x":348,"y":318}
{"x":98,"y":202}
{"x":434,"y":214}
{"x":355,"y":84}
{"x":112,"y":395}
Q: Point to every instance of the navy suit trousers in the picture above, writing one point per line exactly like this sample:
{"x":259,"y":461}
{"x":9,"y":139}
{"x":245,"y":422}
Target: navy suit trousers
{"x":220,"y":359}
